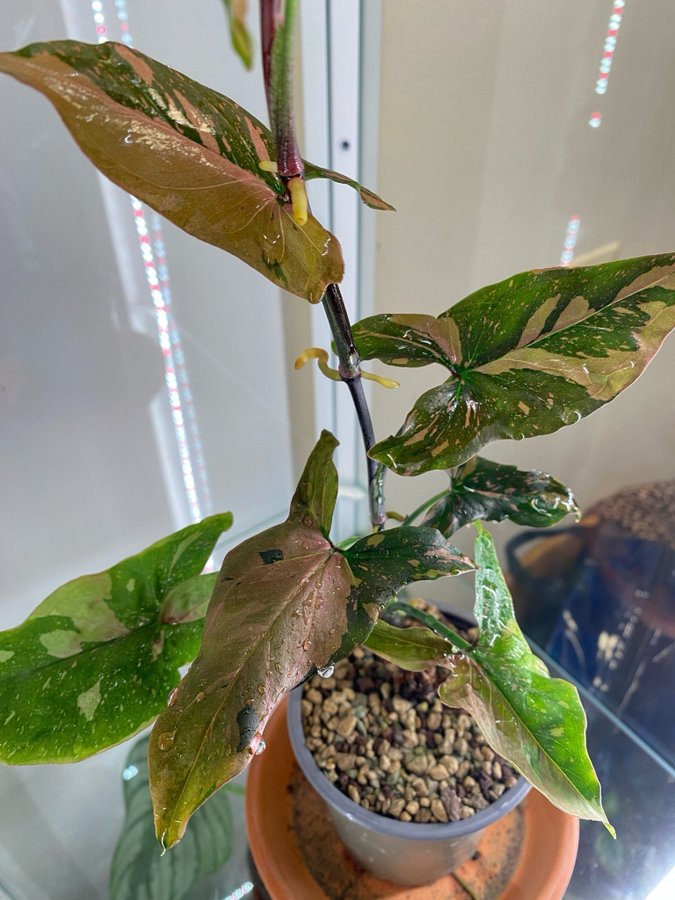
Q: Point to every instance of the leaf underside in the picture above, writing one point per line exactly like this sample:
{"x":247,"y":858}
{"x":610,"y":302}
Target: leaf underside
{"x":482,"y":489}
{"x":189,"y":152}
{"x":287,"y":602}
{"x":97,"y":659}
{"x":526,"y":356}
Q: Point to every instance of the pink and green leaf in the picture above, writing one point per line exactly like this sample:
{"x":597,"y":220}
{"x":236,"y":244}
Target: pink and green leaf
{"x":189,"y":152}
{"x":526,"y":356}
{"x":287,"y":602}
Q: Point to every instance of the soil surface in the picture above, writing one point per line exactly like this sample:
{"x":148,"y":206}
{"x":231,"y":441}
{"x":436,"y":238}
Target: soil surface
{"x":383,"y":737}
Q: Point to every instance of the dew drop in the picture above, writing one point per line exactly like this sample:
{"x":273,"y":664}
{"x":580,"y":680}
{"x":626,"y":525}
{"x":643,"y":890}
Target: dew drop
{"x":172,"y":697}
{"x":165,"y":741}
{"x":327,"y":671}
{"x":262,"y":746}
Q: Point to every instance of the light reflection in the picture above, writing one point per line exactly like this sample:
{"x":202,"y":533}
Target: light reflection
{"x":571,"y":238}
{"x":242,"y":891}
{"x":152,"y":248}
{"x":665,"y":889}
{"x":609,"y":48}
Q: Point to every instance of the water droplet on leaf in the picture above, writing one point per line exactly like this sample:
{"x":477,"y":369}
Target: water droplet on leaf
{"x":165,"y":741}
{"x":262,"y":746}
{"x":327,"y":671}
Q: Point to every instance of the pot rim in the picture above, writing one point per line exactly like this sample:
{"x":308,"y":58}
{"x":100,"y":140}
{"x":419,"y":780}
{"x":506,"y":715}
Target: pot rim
{"x":383,"y":824}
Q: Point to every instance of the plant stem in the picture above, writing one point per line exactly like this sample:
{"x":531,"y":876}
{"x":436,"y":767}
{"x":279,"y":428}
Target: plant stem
{"x":433,"y":624}
{"x":423,"y":507}
{"x":277,"y":31}
{"x":349,"y":367}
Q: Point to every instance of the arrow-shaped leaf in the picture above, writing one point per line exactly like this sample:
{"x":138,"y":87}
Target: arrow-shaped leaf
{"x":534,"y":721}
{"x":481,"y":489}
{"x":383,"y":563}
{"x":526,"y":356}
{"x":139,"y":870}
{"x":287,"y":602}
{"x":189,"y":152}
{"x":97,"y":659}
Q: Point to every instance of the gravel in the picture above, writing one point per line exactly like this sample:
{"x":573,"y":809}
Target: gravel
{"x":383,"y":738}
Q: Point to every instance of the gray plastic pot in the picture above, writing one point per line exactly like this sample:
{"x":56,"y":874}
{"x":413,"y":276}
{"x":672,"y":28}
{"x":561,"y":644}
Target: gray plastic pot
{"x":407,"y":853}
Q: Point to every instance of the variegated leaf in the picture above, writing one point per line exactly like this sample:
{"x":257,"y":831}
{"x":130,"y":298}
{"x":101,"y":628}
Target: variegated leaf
{"x":534,"y":721}
{"x":242,"y":42}
{"x":384,"y":562}
{"x":526,"y":356}
{"x":139,"y":870}
{"x":481,"y":489}
{"x":287,"y":602}
{"x":186,"y":150}
{"x":414,"y":649}
{"x":97,"y":659}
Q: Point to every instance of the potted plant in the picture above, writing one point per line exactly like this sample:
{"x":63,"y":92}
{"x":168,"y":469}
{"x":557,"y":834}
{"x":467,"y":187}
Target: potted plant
{"x":523,"y":357}
{"x":410,"y":784}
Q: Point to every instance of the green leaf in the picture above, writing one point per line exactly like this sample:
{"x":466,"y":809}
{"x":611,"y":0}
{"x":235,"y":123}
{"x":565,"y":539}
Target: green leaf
{"x":534,"y":721}
{"x":139,"y":870}
{"x":481,"y":489}
{"x":383,"y":563}
{"x":239,"y":34}
{"x":368,"y":197}
{"x":97,"y":659}
{"x":187,"y":151}
{"x":287,"y":602}
{"x":413,"y":649}
{"x":526,"y":356}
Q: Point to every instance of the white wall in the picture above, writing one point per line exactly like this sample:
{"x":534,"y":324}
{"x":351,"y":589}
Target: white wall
{"x":486,"y":151}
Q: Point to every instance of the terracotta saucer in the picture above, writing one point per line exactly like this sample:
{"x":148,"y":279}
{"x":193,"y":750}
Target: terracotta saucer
{"x":527,"y":855}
